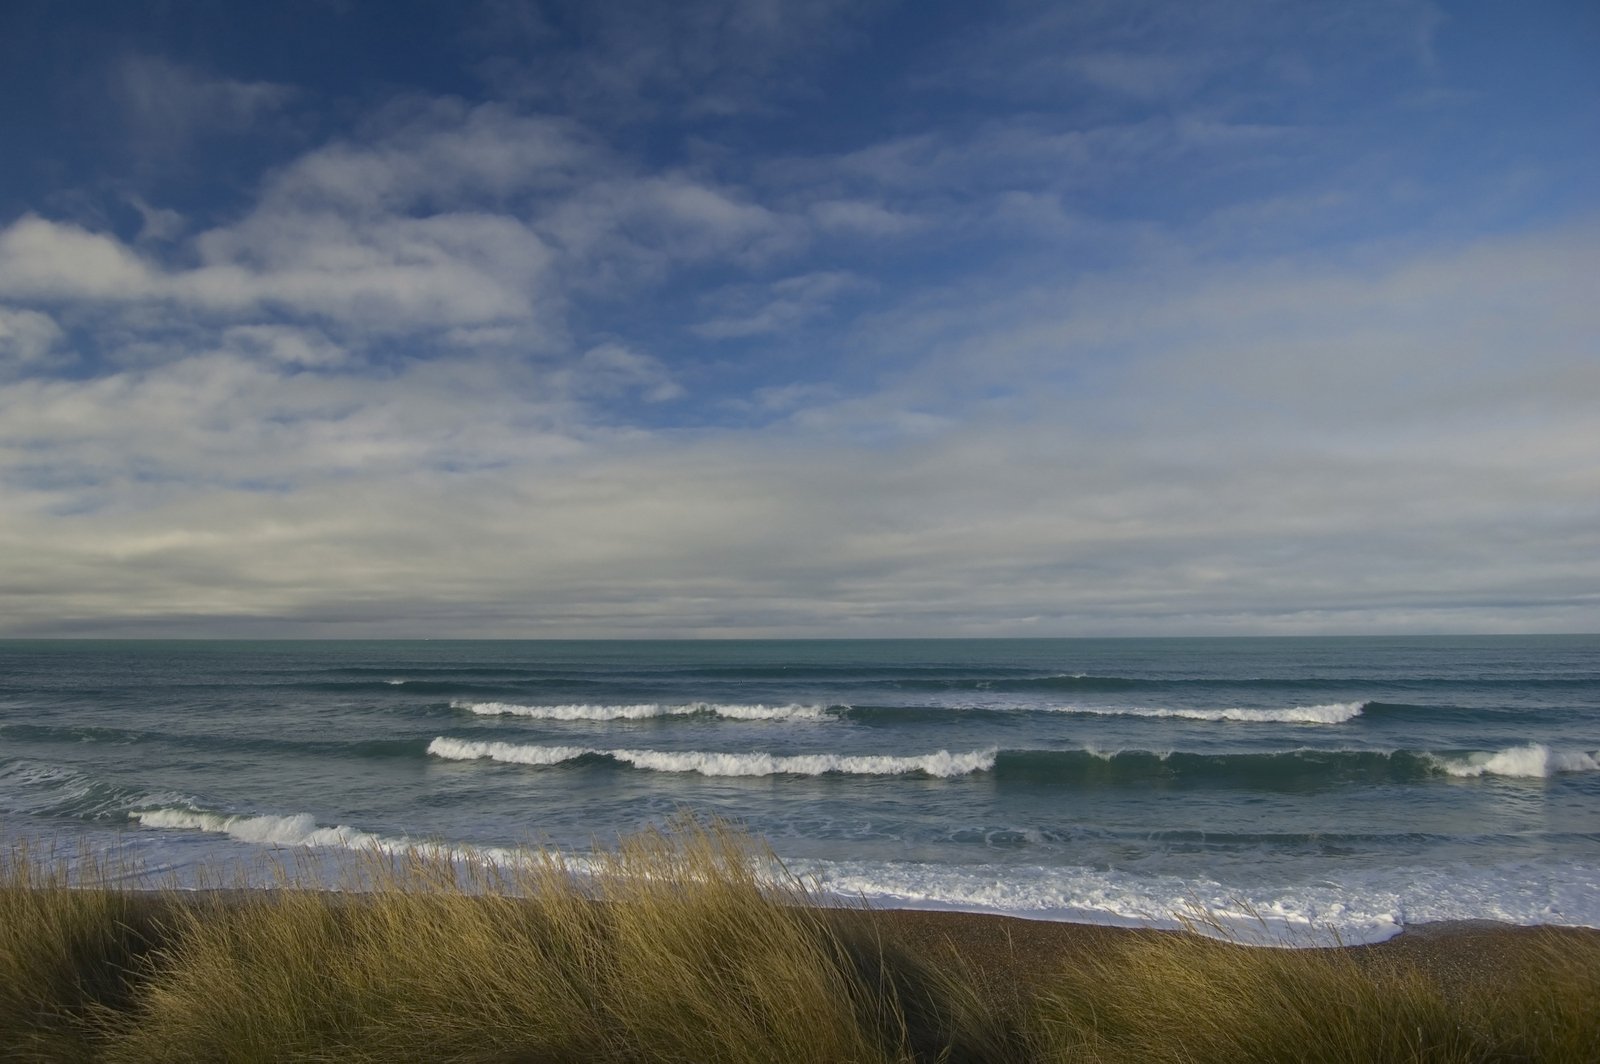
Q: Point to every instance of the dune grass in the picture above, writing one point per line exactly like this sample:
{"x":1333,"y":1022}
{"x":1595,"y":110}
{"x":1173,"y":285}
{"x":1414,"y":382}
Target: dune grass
{"x":65,"y":954}
{"x":691,"y":945}
{"x":1182,"y":997}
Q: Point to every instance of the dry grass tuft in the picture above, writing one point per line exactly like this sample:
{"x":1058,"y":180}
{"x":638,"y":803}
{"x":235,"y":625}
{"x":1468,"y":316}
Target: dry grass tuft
{"x":673,"y":947}
{"x":67,"y":949}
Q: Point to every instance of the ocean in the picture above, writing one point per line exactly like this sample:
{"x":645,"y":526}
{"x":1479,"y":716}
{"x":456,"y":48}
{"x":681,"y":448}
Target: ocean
{"x":1284,"y":789}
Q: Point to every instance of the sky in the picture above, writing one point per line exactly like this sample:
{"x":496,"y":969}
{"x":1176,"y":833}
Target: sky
{"x":799,"y":319}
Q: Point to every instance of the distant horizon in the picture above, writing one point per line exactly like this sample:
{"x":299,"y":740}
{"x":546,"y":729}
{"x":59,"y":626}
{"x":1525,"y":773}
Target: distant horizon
{"x":782,"y":639}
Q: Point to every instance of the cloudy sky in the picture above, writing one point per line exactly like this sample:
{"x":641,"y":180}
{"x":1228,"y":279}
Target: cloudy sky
{"x":757,"y":317}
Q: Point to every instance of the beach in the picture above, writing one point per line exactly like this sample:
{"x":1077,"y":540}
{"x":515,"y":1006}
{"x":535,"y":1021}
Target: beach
{"x":803,"y":850}
{"x":683,"y":947}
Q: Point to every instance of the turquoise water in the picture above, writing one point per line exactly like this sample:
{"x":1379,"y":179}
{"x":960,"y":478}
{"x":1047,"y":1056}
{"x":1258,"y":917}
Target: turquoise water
{"x":1325,"y":786}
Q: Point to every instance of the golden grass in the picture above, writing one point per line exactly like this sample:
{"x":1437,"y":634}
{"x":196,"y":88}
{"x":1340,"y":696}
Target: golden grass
{"x":63,"y":953}
{"x":673,"y":949}
{"x":692,"y":945}
{"x":1182,"y":997}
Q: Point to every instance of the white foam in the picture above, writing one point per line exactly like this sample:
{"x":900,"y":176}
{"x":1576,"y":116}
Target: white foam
{"x":1351,"y":908}
{"x":1348,"y":906}
{"x":511,"y":753}
{"x":299,"y":829}
{"x":1329,"y":713}
{"x":644,"y":711}
{"x":940,"y":763}
{"x":1535,"y":760}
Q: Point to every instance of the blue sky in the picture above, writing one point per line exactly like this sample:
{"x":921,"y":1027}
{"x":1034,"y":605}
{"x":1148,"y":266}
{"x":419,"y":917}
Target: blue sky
{"x":811,"y":319}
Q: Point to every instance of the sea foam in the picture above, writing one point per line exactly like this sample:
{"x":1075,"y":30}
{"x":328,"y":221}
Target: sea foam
{"x":1535,"y":760}
{"x":300,"y":829}
{"x":940,"y":763}
{"x":1350,"y":907}
{"x":1329,"y":713}
{"x":645,"y":711}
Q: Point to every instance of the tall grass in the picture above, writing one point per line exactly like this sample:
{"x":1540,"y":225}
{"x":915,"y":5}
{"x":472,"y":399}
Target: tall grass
{"x":693,"y":945}
{"x":64,"y":953}
{"x":1188,"y":998}
{"x":673,"y":948}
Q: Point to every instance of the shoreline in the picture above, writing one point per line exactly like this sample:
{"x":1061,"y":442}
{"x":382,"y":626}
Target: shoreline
{"x":1014,"y":953}
{"x":1000,"y":949}
{"x":685,"y":955}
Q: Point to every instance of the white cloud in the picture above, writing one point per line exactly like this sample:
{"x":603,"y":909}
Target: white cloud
{"x":27,"y":338}
{"x":1401,"y":475}
{"x":379,"y":234}
{"x":40,"y":259}
{"x":436,"y":153}
{"x":446,"y":269}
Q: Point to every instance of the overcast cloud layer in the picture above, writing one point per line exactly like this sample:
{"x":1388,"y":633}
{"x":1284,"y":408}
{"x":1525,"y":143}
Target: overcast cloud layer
{"x":765,"y":318}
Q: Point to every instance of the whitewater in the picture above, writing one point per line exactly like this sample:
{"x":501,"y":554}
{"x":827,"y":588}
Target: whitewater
{"x":1292,"y":789}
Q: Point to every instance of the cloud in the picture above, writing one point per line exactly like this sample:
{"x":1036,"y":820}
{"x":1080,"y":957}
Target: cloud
{"x":27,"y":338}
{"x":165,"y":105}
{"x":454,"y":217}
{"x":1124,"y":323}
{"x":756,"y":310}
{"x":1213,"y":476}
{"x":436,"y":153}
{"x":611,"y":369}
{"x":443,"y":270}
{"x":40,"y":259}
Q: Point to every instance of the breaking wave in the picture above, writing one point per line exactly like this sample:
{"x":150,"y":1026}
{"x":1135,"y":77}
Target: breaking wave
{"x":1533,"y":761}
{"x":645,"y":711}
{"x":941,"y":763}
{"x":299,"y":829}
{"x":1088,"y":769}
{"x":1329,"y":713}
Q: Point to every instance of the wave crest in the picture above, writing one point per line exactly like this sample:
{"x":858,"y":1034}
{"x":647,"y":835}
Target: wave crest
{"x":299,"y":829}
{"x":1533,"y":761}
{"x":940,"y":763}
{"x":644,"y":711}
{"x":1329,"y":713}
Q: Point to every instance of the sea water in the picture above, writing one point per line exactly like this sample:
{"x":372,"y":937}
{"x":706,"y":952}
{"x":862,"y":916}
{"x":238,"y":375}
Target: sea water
{"x":1279,"y":789}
